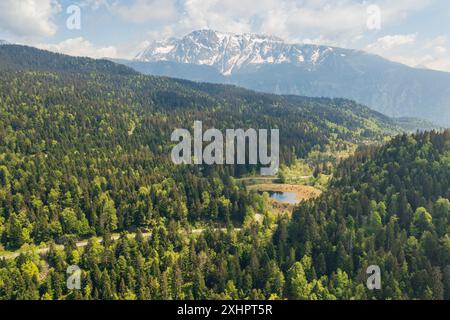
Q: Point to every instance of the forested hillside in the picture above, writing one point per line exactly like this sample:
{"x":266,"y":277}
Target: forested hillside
{"x":321,"y":254}
{"x":386,"y":206}
{"x":85,"y":151}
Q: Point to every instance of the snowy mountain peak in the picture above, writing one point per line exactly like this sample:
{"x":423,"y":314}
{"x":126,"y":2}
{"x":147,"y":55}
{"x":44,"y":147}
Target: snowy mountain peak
{"x":229,"y":53}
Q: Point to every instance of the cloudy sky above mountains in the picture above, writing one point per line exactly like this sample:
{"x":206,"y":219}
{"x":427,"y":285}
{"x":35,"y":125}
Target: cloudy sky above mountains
{"x":414,"y":32}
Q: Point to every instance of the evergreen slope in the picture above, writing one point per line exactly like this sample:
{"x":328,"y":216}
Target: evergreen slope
{"x":386,"y":206}
{"x":322,"y":254}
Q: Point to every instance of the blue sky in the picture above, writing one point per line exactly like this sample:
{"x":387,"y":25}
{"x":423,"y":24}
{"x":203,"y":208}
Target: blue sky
{"x":414,"y":32}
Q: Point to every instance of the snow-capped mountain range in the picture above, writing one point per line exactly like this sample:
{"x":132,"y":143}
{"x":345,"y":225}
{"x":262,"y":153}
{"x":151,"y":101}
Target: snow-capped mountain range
{"x":269,"y":64}
{"x":228,"y":52}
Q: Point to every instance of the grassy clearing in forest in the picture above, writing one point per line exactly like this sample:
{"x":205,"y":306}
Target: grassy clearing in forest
{"x":303,"y":193}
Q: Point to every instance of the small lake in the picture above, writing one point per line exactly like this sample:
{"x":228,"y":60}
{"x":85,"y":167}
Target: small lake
{"x":284,"y":197}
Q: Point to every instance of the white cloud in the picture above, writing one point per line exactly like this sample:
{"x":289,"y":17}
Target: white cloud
{"x":410,"y":50}
{"x":338,"y":23}
{"x":80,"y":47}
{"x":334,"y":20}
{"x":30,"y":18}
{"x":146,"y":11}
{"x":391,"y":42}
{"x":344,"y":21}
{"x":440,"y":59}
{"x":94,"y":4}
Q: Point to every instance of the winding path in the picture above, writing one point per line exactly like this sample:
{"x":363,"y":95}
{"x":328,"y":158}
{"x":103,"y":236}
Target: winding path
{"x":84,"y":243}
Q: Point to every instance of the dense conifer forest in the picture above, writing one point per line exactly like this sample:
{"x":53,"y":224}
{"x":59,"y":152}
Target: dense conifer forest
{"x":85,"y":155}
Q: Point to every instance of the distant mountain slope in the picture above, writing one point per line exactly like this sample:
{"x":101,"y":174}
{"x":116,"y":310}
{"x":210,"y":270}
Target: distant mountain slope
{"x":18,"y":57}
{"x":193,"y":72}
{"x":268,"y":64}
{"x":414,"y":124}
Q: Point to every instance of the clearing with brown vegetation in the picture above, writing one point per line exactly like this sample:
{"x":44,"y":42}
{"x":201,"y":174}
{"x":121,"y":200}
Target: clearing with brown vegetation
{"x":303,"y":193}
